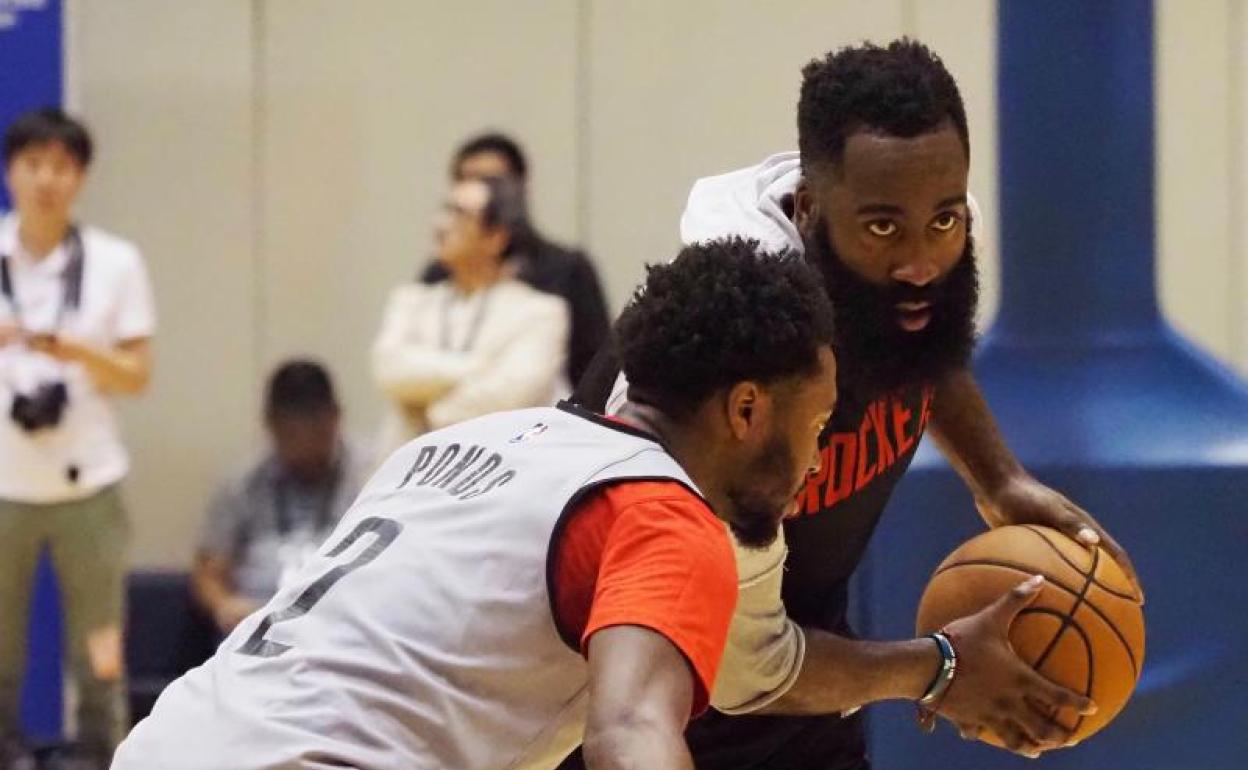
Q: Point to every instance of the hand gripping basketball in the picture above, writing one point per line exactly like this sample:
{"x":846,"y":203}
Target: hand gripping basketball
{"x":997,"y":691}
{"x":1026,"y":646}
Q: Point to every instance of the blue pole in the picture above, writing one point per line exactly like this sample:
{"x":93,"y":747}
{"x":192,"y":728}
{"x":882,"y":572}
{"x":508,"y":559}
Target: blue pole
{"x":31,"y":75}
{"x":1076,"y":137}
{"x":31,"y":71}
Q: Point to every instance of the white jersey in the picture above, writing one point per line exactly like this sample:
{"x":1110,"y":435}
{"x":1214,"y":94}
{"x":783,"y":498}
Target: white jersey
{"x":421,"y":636}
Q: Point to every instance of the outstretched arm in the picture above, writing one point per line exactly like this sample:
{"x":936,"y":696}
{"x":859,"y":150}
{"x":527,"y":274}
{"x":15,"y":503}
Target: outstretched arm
{"x":1004,"y":492}
{"x":992,"y":688}
{"x":771,"y":666}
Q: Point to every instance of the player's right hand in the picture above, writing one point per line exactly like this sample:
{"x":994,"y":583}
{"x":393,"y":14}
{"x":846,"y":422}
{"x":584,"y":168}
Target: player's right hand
{"x":995,"y":689}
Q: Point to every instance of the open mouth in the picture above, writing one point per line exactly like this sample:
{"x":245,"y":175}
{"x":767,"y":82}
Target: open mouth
{"x":913,"y":316}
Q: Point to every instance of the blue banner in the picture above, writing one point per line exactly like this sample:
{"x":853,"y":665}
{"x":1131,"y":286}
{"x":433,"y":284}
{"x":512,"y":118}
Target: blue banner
{"x":32,"y":75}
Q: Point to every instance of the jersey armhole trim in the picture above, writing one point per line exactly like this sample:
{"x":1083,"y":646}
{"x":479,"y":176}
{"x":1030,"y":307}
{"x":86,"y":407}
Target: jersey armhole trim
{"x":597,"y":419}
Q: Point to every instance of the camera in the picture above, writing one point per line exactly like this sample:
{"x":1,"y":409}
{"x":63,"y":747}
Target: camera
{"x":42,"y":408}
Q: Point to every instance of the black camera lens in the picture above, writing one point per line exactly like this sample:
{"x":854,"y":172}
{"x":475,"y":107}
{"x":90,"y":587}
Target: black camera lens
{"x":41,"y":409}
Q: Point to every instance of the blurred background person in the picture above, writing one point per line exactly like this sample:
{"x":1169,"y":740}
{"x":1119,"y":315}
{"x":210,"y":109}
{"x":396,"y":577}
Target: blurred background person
{"x":539,"y":262}
{"x":76,"y":317}
{"x":264,"y":522}
{"x":478,"y":342}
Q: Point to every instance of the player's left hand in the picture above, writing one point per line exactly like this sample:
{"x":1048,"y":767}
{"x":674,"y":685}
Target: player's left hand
{"x":1024,"y":500}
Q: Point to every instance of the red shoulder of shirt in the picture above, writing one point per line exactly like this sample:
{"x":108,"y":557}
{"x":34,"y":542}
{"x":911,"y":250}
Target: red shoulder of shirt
{"x":652,"y":554}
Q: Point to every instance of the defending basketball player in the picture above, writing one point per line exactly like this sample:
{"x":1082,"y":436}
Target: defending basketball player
{"x":507,"y":585}
{"x":877,"y":200}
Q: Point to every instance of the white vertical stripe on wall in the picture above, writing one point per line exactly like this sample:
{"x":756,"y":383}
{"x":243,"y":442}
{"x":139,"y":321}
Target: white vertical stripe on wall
{"x":1237,"y":32}
{"x":1195,"y":109}
{"x":947,"y":27}
{"x":70,"y":21}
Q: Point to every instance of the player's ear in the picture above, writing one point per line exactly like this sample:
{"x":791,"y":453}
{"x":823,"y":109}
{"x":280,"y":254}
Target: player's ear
{"x":805,"y":209}
{"x":746,"y":406}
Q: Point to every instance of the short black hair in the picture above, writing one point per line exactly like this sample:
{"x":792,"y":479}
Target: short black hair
{"x":903,"y":90}
{"x":48,"y":124}
{"x":493,"y":141}
{"x":723,"y":312}
{"x":505,"y":206}
{"x":300,"y":388}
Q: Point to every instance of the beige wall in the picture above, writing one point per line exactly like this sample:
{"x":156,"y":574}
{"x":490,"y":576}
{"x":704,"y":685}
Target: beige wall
{"x":168,"y":94}
{"x":361,"y":105}
{"x":720,"y":91}
{"x":279,"y":161}
{"x":1199,"y":197}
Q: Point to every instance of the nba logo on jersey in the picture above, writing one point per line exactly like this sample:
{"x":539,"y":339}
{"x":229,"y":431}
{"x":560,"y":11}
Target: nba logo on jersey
{"x":533,"y":432}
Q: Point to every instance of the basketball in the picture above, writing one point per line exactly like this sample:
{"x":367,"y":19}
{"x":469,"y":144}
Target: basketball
{"x":1085,"y":630}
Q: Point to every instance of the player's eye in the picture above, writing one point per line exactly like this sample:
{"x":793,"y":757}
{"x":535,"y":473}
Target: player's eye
{"x":946,"y":221}
{"x":882,"y":228}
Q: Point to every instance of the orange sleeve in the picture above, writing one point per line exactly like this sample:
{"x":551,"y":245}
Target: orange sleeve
{"x":668,"y":565}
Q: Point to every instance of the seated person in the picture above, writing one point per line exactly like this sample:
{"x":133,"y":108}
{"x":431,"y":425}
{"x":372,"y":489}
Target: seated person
{"x":263,"y":523}
{"x":480,"y":342}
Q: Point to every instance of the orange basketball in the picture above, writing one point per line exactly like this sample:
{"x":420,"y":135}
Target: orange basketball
{"x":1084,"y":631}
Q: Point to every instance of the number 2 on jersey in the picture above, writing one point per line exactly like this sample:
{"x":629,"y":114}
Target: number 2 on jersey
{"x":386,"y":530}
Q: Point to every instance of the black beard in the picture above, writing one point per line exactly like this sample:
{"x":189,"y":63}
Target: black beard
{"x":874,"y":354}
{"x":754,"y":516}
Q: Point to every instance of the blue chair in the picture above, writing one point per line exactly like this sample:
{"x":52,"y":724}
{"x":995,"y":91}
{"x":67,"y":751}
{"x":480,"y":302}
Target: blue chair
{"x":167,"y":634}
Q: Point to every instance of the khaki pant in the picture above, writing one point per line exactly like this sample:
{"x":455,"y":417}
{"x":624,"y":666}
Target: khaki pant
{"x":87,"y":542}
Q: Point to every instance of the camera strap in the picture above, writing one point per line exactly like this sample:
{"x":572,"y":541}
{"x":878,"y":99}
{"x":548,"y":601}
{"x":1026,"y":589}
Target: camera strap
{"x":474,"y":326}
{"x":71,"y":280}
{"x":325,"y":504}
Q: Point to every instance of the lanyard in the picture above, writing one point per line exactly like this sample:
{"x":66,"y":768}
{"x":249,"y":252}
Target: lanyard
{"x":281,"y":502}
{"x":473,"y":330}
{"x":71,"y":277}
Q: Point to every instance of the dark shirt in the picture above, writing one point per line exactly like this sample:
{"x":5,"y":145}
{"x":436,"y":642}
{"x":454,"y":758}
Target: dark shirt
{"x":260,"y":510}
{"x":866,"y":450}
{"x":566,"y":273}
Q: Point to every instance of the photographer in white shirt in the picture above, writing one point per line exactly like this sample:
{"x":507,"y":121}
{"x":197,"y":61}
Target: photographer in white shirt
{"x":76,"y":317}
